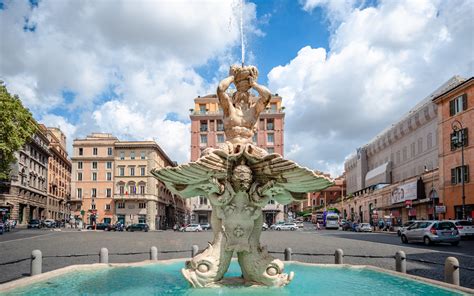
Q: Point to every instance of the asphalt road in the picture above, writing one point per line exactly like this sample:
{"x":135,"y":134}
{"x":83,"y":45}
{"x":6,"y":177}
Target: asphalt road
{"x":19,"y":244}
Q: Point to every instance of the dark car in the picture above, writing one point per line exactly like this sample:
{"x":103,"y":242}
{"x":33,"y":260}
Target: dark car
{"x":346,"y":226}
{"x":354,"y":227}
{"x":34,"y":224}
{"x":99,"y":226}
{"x":138,"y":227}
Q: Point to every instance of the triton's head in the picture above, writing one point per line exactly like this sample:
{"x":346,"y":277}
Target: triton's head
{"x":242,"y":177}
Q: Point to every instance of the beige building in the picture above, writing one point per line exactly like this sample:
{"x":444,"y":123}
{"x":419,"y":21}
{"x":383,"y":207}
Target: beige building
{"x":24,"y":196}
{"x":138,"y":196}
{"x":59,"y":175}
{"x":112,"y":183}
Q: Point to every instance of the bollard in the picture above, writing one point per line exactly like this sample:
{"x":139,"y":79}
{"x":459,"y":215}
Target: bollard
{"x":104,"y":255}
{"x":451,"y":271}
{"x":194,"y":250}
{"x":338,"y":256}
{"x":154,"y":253}
{"x":36,"y":262}
{"x":288,"y":254}
{"x":400,"y":262}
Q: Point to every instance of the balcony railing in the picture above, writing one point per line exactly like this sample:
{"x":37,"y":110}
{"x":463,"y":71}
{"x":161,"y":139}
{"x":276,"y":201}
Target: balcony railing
{"x":199,"y":112}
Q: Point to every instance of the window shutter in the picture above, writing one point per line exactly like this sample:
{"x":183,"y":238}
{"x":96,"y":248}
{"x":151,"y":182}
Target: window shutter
{"x":465,"y":137}
{"x":464,"y":102}
{"x":453,"y":176}
{"x":452,"y":142}
{"x":451,"y":107}
{"x":466,"y":174}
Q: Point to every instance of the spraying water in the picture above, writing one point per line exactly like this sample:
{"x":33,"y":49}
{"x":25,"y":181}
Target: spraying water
{"x":242,"y":43}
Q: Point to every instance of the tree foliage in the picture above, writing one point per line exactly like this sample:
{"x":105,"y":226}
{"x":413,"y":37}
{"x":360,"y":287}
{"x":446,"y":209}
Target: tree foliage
{"x":16,"y":127}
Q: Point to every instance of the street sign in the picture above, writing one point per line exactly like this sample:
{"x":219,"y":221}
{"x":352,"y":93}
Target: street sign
{"x":440,"y":209}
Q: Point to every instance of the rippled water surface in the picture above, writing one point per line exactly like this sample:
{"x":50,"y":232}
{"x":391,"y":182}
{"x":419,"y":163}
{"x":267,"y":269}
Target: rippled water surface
{"x":166,"y":279}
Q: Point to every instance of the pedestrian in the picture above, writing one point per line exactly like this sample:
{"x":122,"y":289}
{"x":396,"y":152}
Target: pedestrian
{"x":318,"y":227}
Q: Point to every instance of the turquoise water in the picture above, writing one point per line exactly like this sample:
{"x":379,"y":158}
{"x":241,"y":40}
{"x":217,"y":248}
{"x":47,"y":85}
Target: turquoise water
{"x":166,"y":279}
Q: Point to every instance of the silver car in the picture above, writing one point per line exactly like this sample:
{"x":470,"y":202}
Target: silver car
{"x":430,"y":232}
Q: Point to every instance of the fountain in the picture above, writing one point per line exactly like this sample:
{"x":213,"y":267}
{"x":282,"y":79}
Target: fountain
{"x":239,"y":179}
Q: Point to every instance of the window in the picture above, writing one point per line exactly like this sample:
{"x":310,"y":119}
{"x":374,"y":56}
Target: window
{"x":254,"y":138}
{"x":202,"y":200}
{"x":121,"y":205}
{"x":142,"y":189}
{"x":142,"y":205}
{"x":462,"y":138}
{"x":405,"y":153}
{"x":109,"y":151}
{"x":457,"y":174}
{"x":321,"y":202}
{"x":220,"y":126}
{"x":270,"y":124}
{"x":94,"y":176}
{"x":429,"y":141}
{"x":132,"y":171}
{"x":94,"y":192}
{"x":108,"y":192}
{"x":122,"y":155}
{"x":132,"y":155}
{"x":79,"y":165}
{"x":142,"y":155}
{"x":458,"y":105}
{"x":81,"y":151}
{"x":271,"y":150}
{"x":398,"y":157}
{"x":121,"y":189}
{"x":94,"y":165}
{"x":420,"y":145}
{"x":93,"y":206}
{"x":203,"y":139}
{"x":121,"y":171}
{"x":202,"y":108}
{"x":142,"y":171}
{"x":107,"y":207}
{"x":94,"y":151}
{"x":220,"y":138}
{"x":203,"y":126}
{"x":79,"y":176}
{"x":109,"y":164}
{"x":79,"y":193}
{"x":133,"y":189}
{"x":270,"y":138}
{"x":413,"y":151}
{"x":273,"y":107}
{"x":109,"y":176}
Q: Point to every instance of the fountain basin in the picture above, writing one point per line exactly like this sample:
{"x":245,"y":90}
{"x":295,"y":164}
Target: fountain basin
{"x":164,"y":278}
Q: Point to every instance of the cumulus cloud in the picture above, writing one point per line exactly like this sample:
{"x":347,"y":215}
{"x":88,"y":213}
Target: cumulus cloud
{"x":132,"y":59}
{"x":382,"y":60}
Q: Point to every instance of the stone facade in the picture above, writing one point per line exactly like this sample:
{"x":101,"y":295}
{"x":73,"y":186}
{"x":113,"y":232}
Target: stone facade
{"x":112,"y":183}
{"x":24,"y":197}
{"x":456,"y":104}
{"x":59,"y":176}
{"x":207,"y":130}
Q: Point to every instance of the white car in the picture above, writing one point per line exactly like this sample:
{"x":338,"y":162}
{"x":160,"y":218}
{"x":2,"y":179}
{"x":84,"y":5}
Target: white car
{"x":264,"y":226}
{"x":192,"y":228}
{"x":364,"y":227}
{"x":286,"y":226}
{"x":299,"y":224}
{"x":465,"y":228}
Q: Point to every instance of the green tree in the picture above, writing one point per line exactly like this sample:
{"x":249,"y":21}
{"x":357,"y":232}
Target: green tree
{"x":16,"y":127}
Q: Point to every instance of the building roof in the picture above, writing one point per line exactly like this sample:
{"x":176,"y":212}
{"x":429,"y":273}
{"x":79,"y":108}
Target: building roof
{"x":452,"y":88}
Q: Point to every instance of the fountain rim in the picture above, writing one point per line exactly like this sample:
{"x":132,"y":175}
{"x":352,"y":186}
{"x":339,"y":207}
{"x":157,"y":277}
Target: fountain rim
{"x":23,"y":282}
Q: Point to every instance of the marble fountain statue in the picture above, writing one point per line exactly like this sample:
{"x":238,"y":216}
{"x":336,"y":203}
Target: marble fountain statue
{"x":239,"y":179}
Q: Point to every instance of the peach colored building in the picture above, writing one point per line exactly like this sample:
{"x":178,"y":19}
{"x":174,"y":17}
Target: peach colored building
{"x":456,"y":108}
{"x":59,"y":175}
{"x":207,"y":130}
{"x":93,"y":177}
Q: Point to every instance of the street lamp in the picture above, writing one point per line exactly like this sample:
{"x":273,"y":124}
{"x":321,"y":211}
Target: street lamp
{"x":457,"y":139}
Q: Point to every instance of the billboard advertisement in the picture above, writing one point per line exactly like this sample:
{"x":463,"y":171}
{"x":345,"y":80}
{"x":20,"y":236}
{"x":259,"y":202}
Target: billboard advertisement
{"x":404,"y":192}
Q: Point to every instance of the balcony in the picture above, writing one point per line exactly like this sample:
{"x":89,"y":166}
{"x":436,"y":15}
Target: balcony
{"x":202,"y":112}
{"x":201,"y":207}
{"x":119,"y":197}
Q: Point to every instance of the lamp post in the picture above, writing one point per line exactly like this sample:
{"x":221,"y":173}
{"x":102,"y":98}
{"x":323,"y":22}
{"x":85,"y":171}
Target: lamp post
{"x":457,"y":139}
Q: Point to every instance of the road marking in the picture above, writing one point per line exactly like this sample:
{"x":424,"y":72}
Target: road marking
{"x":24,"y":238}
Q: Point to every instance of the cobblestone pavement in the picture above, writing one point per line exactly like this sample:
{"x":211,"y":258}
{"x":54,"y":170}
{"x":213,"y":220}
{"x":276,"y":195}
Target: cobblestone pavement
{"x":19,"y":244}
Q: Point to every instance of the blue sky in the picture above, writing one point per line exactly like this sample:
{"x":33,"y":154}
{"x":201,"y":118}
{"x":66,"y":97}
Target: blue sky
{"x":345,"y":69}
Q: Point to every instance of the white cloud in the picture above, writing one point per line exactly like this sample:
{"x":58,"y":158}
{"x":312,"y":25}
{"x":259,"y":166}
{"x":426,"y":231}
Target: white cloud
{"x":123,"y":57}
{"x":382,"y":61}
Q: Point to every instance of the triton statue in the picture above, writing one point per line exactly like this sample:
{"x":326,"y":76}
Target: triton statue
{"x":239,"y":179}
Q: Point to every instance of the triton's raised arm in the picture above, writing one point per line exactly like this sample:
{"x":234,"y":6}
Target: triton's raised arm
{"x":265,"y":96}
{"x":223,"y":97}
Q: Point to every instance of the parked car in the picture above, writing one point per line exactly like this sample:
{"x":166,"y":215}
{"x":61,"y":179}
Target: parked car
{"x":99,"y":226}
{"x":466,"y":228}
{"x":34,"y":224}
{"x":364,"y":227}
{"x":138,"y":227}
{"x":299,"y":224}
{"x":2,"y":227}
{"x":205,"y":226}
{"x":273,"y":226}
{"x":346,"y":226}
{"x":192,"y":228}
{"x":264,"y":226}
{"x":286,"y":226}
{"x":405,"y":226}
{"x":430,"y":232}
{"x":50,"y":223}
{"x":354,"y":226}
